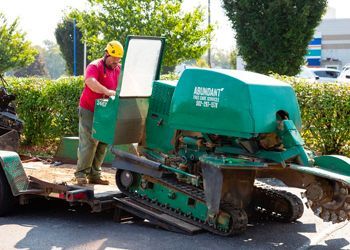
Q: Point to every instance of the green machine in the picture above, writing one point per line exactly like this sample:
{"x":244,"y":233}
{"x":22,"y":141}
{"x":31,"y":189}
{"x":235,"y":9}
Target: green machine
{"x":204,"y":142}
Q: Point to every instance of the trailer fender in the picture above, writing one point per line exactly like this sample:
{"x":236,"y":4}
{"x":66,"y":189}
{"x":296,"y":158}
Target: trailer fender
{"x":334,"y":167}
{"x":13,"y":172}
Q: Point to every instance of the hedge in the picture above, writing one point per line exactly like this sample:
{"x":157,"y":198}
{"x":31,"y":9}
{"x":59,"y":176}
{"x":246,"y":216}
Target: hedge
{"x":49,"y":110}
{"x":325,"y":112}
{"x":47,"y":107}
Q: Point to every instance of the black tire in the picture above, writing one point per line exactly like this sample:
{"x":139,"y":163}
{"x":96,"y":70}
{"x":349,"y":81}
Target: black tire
{"x":118,"y":179}
{"x":7,"y":200}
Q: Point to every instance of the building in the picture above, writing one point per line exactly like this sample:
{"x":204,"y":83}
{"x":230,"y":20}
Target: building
{"x":335,"y":42}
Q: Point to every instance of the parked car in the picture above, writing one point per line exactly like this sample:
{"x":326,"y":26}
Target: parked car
{"x":307,"y":74}
{"x":346,"y":67}
{"x":344,"y":76}
{"x":326,"y":74}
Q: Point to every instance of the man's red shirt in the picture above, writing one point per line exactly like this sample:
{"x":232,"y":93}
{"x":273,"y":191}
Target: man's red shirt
{"x":104,"y":75}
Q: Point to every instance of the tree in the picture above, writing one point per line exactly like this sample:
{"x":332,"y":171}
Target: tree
{"x":233,"y":59}
{"x":54,"y":61}
{"x":186,"y":38}
{"x":273,"y":35}
{"x":15,"y":51}
{"x":201,"y":63}
{"x":221,"y":59}
{"x":65,"y":38}
{"x":37,"y":68}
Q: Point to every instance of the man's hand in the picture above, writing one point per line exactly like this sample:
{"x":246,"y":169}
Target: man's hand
{"x":97,"y":87}
{"x":109,"y":92}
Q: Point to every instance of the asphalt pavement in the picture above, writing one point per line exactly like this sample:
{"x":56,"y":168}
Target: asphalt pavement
{"x":55,"y":225}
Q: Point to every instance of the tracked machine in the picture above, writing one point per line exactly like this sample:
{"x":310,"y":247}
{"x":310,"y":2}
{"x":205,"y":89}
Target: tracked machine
{"x":204,"y":141}
{"x":200,"y":148}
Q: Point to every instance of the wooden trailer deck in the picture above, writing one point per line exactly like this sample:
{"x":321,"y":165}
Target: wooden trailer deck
{"x":64,"y":174}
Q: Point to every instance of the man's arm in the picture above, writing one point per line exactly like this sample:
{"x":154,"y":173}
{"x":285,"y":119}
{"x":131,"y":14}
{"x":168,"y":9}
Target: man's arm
{"x":97,"y":87}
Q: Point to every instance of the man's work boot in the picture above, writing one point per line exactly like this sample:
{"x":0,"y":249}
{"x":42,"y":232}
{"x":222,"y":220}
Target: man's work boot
{"x":81,"y":181}
{"x":99,"y":181}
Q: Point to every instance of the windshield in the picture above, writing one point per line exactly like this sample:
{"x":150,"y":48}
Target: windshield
{"x":329,"y":74}
{"x":140,"y":67}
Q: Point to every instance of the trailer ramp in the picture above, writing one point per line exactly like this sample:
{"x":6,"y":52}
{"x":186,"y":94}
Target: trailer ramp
{"x":154,"y":216}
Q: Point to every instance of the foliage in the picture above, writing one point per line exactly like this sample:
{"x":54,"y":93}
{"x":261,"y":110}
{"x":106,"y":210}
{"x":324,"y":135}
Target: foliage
{"x":37,"y":68}
{"x":272,"y":35}
{"x":201,"y":63}
{"x":54,"y":61}
{"x":48,"y":63}
{"x":116,"y":19}
{"x":221,"y":59}
{"x":48,"y":108}
{"x":65,"y":38}
{"x":233,"y":59}
{"x":171,"y":76}
{"x":15,"y":51}
{"x":325,"y":110}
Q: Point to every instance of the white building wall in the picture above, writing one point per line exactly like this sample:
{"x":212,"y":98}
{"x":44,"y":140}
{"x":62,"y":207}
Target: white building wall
{"x":335,"y":41}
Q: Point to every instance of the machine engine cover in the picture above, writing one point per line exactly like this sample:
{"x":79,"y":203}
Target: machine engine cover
{"x":230,"y":102}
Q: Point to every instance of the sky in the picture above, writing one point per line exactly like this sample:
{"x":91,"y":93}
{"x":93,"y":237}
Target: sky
{"x":39,"y":18}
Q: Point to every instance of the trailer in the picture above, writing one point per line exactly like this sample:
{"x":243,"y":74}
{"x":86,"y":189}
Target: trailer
{"x":22,"y":181}
{"x":26,"y":180}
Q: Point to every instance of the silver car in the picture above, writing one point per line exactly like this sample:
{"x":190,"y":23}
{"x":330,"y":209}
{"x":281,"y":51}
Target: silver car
{"x":326,"y":74}
{"x":344,"y":76}
{"x":307,"y":75}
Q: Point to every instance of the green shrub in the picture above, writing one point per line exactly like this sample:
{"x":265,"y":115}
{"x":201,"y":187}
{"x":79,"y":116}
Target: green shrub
{"x":171,"y":76}
{"x":48,"y":108}
{"x":325,"y":112}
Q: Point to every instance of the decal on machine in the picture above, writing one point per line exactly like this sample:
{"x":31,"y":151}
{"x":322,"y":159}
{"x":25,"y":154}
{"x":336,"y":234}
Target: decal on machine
{"x":102,"y":102}
{"x":207,"y":97}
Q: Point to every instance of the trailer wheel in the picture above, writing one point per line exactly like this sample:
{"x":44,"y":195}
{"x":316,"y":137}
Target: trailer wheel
{"x":7,"y":200}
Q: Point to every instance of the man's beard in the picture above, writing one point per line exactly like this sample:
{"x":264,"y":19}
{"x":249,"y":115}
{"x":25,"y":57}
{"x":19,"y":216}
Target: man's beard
{"x":112,"y":65}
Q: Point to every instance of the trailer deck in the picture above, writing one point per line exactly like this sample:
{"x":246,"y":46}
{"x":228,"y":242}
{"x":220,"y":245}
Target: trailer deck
{"x":63,"y":173}
{"x":57,"y":182}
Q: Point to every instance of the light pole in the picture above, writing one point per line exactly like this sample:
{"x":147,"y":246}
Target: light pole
{"x":74,"y":48}
{"x":84,"y":57}
{"x":209,"y":49}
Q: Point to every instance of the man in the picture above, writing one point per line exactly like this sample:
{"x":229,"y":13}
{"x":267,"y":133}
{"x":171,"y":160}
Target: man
{"x":101,"y":80}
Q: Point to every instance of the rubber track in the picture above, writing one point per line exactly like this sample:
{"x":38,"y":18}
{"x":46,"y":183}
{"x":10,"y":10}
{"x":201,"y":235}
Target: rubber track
{"x":264,"y":191}
{"x":192,"y":192}
{"x":265,"y":210}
